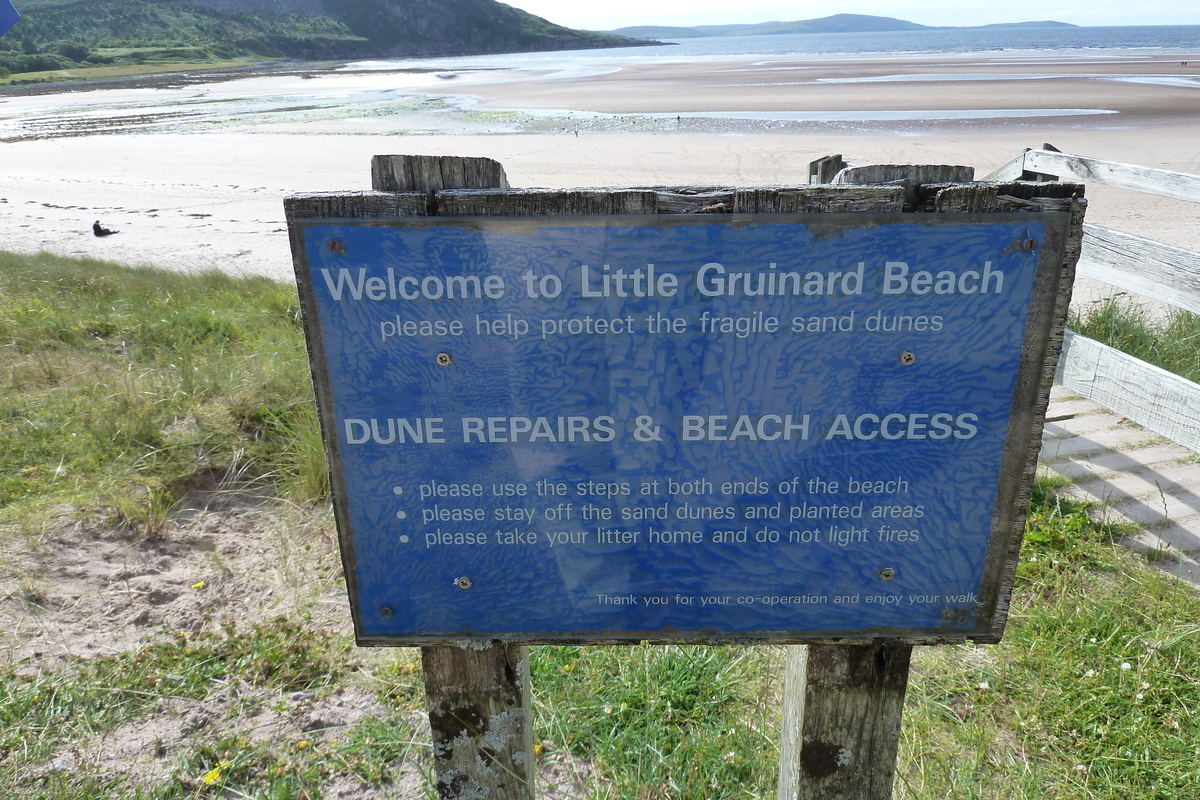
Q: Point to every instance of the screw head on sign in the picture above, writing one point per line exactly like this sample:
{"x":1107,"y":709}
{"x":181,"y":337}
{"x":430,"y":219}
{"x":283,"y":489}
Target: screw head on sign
{"x":385,"y":611}
{"x":336,"y":246}
{"x":463,"y":582}
{"x":887,"y":573}
{"x":1031,"y":244}
{"x":443,"y":359}
{"x":908,"y":358}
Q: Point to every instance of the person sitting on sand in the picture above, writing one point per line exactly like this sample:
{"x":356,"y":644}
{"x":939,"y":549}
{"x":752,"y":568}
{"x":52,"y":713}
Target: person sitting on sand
{"x":100,"y":230}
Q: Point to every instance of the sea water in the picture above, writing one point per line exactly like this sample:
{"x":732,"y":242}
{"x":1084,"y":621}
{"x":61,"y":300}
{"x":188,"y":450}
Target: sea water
{"x":433,"y":94}
{"x":1058,"y":41}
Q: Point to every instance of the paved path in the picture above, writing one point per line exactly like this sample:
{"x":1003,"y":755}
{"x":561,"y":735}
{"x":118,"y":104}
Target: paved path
{"x":1134,"y":475}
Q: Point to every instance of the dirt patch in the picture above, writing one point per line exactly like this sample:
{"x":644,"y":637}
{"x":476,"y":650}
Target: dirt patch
{"x":86,"y":588}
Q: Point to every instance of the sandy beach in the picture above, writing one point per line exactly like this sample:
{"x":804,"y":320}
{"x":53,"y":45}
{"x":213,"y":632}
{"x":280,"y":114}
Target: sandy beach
{"x":193,"y":174}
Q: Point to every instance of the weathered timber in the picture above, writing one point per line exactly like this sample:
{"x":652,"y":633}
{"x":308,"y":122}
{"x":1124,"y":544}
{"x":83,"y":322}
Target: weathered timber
{"x":818,"y":199}
{"x":791,"y":724}
{"x":909,"y":176}
{"x":837,"y":739}
{"x":1165,"y":183}
{"x":480,"y":711}
{"x":1013,"y":170}
{"x":546,"y":202}
{"x":1148,"y":395}
{"x":842,"y":743}
{"x":1044,"y":331}
{"x":914,"y":173}
{"x":479,"y":716}
{"x":1157,"y":270}
{"x":824,"y":170}
{"x":718,"y":201}
{"x":1013,"y":196}
{"x":1040,"y":192}
{"x":330,"y":205}
{"x":433,"y":173}
{"x":967,"y":197}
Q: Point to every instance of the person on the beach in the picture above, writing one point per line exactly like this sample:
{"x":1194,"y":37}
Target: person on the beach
{"x":100,"y":230}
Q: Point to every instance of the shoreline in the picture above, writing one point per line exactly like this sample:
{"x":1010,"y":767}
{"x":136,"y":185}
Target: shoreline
{"x":194,"y":184}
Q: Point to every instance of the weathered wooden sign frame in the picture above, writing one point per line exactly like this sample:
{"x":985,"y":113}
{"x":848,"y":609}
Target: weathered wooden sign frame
{"x":866,"y":679}
{"x":321,"y":233}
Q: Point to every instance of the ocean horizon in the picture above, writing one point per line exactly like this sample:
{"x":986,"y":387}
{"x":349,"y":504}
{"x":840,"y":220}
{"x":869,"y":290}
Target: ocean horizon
{"x":1094,"y":42}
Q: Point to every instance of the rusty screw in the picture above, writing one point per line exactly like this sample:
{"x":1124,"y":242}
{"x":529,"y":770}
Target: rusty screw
{"x":1031,"y":244}
{"x":908,"y":358}
{"x":385,"y":612}
{"x":463,"y":583}
{"x":887,"y":573}
{"x":443,"y":359}
{"x":336,"y":247}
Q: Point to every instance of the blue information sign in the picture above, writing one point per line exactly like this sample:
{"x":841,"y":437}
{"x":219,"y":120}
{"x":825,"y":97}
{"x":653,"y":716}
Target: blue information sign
{"x":591,"y":428}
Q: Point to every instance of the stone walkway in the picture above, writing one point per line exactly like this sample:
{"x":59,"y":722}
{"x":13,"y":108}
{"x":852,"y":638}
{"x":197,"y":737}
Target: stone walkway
{"x":1135,"y":476}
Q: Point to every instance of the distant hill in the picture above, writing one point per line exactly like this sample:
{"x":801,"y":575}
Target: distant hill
{"x":54,"y":34}
{"x":838,"y":23}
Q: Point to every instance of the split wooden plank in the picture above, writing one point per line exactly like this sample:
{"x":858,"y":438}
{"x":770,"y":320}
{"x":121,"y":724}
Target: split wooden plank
{"x":824,"y":170}
{"x":546,"y":202}
{"x":1157,"y":270}
{"x":1165,"y":183}
{"x":818,"y":199}
{"x":1148,"y":395}
{"x":916,"y":173}
{"x":347,"y":205}
{"x":434,"y":173}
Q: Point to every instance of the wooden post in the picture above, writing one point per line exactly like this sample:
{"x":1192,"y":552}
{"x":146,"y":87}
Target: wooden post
{"x":481,"y":721}
{"x":824,"y":169}
{"x":843,"y":706}
{"x":478,"y":698}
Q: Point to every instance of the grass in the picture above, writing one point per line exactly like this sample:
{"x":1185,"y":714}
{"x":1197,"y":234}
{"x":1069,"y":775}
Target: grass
{"x":119,"y":388}
{"x":1173,"y":343}
{"x":121,"y":71}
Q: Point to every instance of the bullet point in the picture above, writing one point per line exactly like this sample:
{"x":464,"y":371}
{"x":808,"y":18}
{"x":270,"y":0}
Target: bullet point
{"x":397,"y":490}
{"x":403,"y":539}
{"x":401,"y":515}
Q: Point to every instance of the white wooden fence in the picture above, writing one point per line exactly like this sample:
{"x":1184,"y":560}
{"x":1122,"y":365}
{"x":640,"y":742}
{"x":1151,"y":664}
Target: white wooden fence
{"x":1152,"y":397}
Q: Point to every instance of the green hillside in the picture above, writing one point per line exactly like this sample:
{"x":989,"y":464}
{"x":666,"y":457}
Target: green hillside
{"x":63,"y":34}
{"x":838,"y":23}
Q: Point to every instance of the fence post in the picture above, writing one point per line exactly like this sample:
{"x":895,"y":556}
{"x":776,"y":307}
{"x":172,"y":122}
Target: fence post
{"x":480,"y":714}
{"x":843,"y":704}
{"x":842,"y":711}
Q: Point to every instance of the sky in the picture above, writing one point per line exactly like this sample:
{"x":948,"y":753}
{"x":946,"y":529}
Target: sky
{"x":610,"y":14}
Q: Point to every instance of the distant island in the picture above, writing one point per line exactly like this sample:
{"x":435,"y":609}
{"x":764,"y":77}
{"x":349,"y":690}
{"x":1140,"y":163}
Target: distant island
{"x":55,"y":35}
{"x":838,"y":23}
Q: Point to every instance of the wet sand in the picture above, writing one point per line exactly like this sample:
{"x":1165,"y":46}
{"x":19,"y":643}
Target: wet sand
{"x":192,"y":192}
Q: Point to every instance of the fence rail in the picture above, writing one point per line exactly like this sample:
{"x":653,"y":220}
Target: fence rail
{"x":1152,"y":397}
